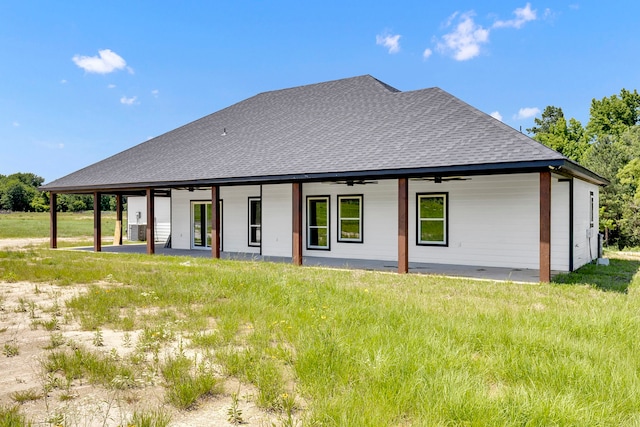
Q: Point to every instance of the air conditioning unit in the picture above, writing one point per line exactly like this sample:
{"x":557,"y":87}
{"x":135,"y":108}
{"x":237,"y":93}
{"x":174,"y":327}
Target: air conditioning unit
{"x":137,"y":232}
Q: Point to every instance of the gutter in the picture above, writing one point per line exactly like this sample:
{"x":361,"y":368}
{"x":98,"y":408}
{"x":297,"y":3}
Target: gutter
{"x":558,"y":165}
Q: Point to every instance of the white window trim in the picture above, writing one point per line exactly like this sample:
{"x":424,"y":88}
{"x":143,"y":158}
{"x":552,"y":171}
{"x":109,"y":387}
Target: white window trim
{"x":359,"y":219}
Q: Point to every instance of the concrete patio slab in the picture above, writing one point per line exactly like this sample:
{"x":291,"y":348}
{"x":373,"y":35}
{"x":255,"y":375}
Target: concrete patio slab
{"x":452,"y":270}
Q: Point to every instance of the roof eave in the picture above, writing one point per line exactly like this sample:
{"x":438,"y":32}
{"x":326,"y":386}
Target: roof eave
{"x":569,"y":167}
{"x":574,"y":169}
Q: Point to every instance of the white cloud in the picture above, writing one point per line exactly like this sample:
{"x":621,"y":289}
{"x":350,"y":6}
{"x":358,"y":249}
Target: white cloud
{"x":155,"y":92}
{"x":390,"y":42}
{"x":111,"y":86}
{"x":16,"y":124}
{"x":527,"y":112}
{"x":465,"y":40}
{"x":50,"y":145}
{"x":427,"y":53}
{"x":496,"y":115}
{"x":523,"y":15}
{"x":106,"y":62}
{"x":63,"y":82}
{"x":128,"y":101}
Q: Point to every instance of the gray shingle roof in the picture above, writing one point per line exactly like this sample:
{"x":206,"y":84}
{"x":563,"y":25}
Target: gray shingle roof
{"x":353,"y":126}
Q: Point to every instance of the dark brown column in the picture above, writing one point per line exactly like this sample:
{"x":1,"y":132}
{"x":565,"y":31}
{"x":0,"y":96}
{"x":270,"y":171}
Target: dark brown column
{"x":97,"y":223}
{"x":53,"y":220}
{"x":117,"y":235}
{"x":151,"y":214}
{"x":215,"y":221}
{"x":403,"y":225}
{"x":297,"y":223}
{"x":545,"y":226}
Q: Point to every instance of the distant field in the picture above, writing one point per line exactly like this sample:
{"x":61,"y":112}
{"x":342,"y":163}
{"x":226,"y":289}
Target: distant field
{"x":70,"y":224}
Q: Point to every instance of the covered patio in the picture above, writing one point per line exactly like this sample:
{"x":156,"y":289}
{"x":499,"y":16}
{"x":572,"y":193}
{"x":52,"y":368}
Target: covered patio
{"x":450,"y":270}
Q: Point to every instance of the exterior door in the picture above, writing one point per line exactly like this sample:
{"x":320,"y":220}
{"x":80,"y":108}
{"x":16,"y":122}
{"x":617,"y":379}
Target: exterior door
{"x":201,"y":225}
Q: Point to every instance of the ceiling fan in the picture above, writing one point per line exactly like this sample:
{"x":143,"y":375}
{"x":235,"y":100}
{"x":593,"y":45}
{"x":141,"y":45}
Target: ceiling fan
{"x":440,"y":179}
{"x":352,"y":182}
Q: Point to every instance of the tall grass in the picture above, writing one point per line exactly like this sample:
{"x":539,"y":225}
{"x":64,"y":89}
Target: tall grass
{"x":70,"y":224}
{"x":370,"y":349}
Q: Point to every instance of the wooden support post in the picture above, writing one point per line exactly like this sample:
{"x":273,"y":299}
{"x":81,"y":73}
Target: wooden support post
{"x":97,"y":222}
{"x":151,"y":238}
{"x":53,"y":220}
{"x":297,"y":223}
{"x":215,"y":221}
{"x":117,"y":234}
{"x":545,"y":226}
{"x":403,"y":225}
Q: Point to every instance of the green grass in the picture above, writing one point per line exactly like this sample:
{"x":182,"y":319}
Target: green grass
{"x":25,"y":396}
{"x":615,"y":277}
{"x":157,"y":418}
{"x":10,"y":416}
{"x":98,"y":368}
{"x":70,"y":224}
{"x":367,"y":348}
{"x":188,"y":382}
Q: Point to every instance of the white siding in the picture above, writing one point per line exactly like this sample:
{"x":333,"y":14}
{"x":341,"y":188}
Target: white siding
{"x":493,"y":221}
{"x":560,"y":224}
{"x":181,"y":215}
{"x":235,"y":218}
{"x":277,"y":220}
{"x":162,"y":210}
{"x":585,"y":240}
{"x":379,"y":222}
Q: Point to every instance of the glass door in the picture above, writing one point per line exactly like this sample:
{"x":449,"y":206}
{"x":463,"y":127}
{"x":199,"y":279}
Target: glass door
{"x":201,"y":225}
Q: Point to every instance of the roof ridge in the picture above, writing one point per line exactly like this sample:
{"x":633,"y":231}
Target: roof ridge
{"x":361,"y":77}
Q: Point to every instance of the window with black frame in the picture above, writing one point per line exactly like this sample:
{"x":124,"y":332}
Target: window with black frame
{"x":318,"y":222}
{"x":432,"y":219}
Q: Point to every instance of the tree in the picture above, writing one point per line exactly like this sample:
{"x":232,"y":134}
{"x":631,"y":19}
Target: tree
{"x":606,"y":156}
{"x":549,"y":118}
{"x":552,"y":131}
{"x":17,"y":196}
{"x":614,"y":115}
{"x":40,"y":202}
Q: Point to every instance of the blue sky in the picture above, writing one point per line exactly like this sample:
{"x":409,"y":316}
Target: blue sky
{"x":80,"y":81}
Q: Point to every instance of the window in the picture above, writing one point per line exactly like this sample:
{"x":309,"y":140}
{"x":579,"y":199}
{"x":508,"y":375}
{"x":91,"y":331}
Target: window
{"x":255,"y":221}
{"x":350,"y":219}
{"x":432,"y":219}
{"x":591,"y":208}
{"x":318,"y":222}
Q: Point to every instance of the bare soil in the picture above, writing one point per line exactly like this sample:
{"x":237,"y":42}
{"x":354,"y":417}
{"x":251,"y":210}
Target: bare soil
{"x":26,"y":307}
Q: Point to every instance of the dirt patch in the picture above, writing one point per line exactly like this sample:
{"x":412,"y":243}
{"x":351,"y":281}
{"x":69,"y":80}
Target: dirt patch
{"x":34,"y":322}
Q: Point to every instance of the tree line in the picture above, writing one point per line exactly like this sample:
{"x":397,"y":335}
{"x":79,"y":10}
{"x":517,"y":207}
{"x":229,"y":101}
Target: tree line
{"x":609,"y":145}
{"x":19,"y":193}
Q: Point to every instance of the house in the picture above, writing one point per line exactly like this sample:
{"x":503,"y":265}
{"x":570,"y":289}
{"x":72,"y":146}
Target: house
{"x":356,"y":169}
